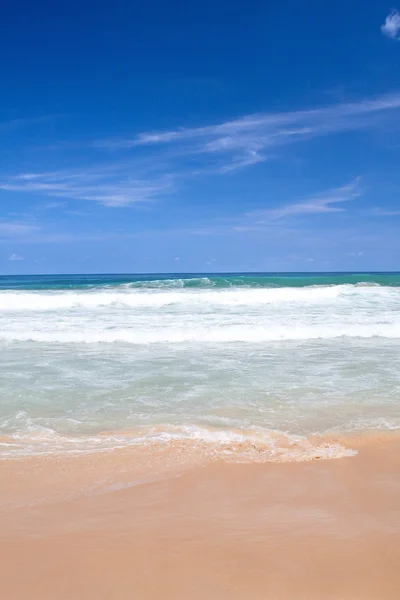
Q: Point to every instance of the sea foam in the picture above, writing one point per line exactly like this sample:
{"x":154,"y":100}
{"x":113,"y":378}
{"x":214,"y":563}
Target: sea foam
{"x":202,"y":360}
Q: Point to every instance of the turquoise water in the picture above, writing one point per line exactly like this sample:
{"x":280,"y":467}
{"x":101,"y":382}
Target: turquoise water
{"x":90,"y":362}
{"x":195,"y":280}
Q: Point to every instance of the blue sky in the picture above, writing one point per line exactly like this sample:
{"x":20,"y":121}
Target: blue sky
{"x":212,"y":136}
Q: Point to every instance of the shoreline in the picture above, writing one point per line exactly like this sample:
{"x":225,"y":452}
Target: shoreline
{"x":35,"y":478}
{"x":314,"y":530}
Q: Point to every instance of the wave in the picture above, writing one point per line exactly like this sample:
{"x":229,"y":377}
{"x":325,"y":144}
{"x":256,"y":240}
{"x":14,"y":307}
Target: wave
{"x":217,"y":335}
{"x":137,"y":298}
{"x":192,"y":282}
{"x":269,"y":281}
{"x":219,"y":281}
{"x":255,"y":445}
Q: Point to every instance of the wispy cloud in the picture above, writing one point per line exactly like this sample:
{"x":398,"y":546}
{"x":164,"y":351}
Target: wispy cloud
{"x":15,"y":257}
{"x":384,"y":212}
{"x":155,"y":164}
{"x":42,"y":233}
{"x":52,"y":205}
{"x":102,"y":186}
{"x":23,"y":122}
{"x":329,"y":201}
{"x":284,"y":220}
{"x":391,"y":27}
{"x":14,"y":229}
{"x":246,"y":141}
{"x":325,"y":202}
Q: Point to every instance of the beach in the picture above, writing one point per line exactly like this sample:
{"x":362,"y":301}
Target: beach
{"x":81,"y":527}
{"x":213,"y":436}
{"x":199,"y":301}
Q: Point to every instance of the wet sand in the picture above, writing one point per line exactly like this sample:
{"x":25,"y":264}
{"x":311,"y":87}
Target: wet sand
{"x":99,"y":528}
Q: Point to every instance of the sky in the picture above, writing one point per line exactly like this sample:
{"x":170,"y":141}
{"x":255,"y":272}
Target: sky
{"x":199,"y":137}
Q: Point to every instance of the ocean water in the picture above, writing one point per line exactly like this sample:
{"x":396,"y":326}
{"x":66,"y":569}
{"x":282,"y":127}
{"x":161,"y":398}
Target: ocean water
{"x":90,"y":363}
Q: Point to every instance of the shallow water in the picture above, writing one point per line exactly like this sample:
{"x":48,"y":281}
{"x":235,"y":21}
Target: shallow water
{"x":93,"y":362}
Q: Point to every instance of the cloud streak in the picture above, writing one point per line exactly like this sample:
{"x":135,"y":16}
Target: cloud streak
{"x":25,"y":232}
{"x":157,"y":163}
{"x":325,"y":202}
{"x":247,"y":140}
{"x":23,"y":122}
{"x":14,"y":229}
{"x":384,"y":212}
{"x":391,"y":27}
{"x":102,"y":186}
{"x":283,"y":220}
{"x":329,"y":201}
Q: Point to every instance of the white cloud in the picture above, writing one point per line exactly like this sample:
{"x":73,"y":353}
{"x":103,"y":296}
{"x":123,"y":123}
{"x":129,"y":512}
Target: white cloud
{"x":30,"y":234}
{"x":102,"y":185}
{"x":156,"y":163}
{"x":51,"y":205}
{"x":15,"y":257}
{"x":227,"y":146}
{"x":384,"y":212}
{"x":391,"y":27}
{"x":16,"y":229}
{"x":26,"y":121}
{"x":247,"y":140}
{"x":325,"y":202}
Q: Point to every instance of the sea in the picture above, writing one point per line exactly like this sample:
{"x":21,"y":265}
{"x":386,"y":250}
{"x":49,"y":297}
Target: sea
{"x":266,"y":361}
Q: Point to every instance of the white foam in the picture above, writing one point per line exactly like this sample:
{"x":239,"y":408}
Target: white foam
{"x":79,"y":361}
{"x":136,"y":298}
{"x":171,"y":283}
{"x":258,"y":444}
{"x":249,"y":334}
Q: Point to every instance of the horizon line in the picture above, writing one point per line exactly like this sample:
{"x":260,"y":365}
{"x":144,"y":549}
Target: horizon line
{"x":197,"y":273}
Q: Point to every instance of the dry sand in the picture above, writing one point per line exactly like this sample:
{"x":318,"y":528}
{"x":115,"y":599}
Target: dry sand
{"x":93,"y":528}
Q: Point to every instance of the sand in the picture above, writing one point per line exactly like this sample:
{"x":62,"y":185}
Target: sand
{"x":102,"y":527}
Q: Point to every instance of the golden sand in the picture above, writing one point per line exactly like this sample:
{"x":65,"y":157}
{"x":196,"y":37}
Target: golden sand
{"x":111,"y":526}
